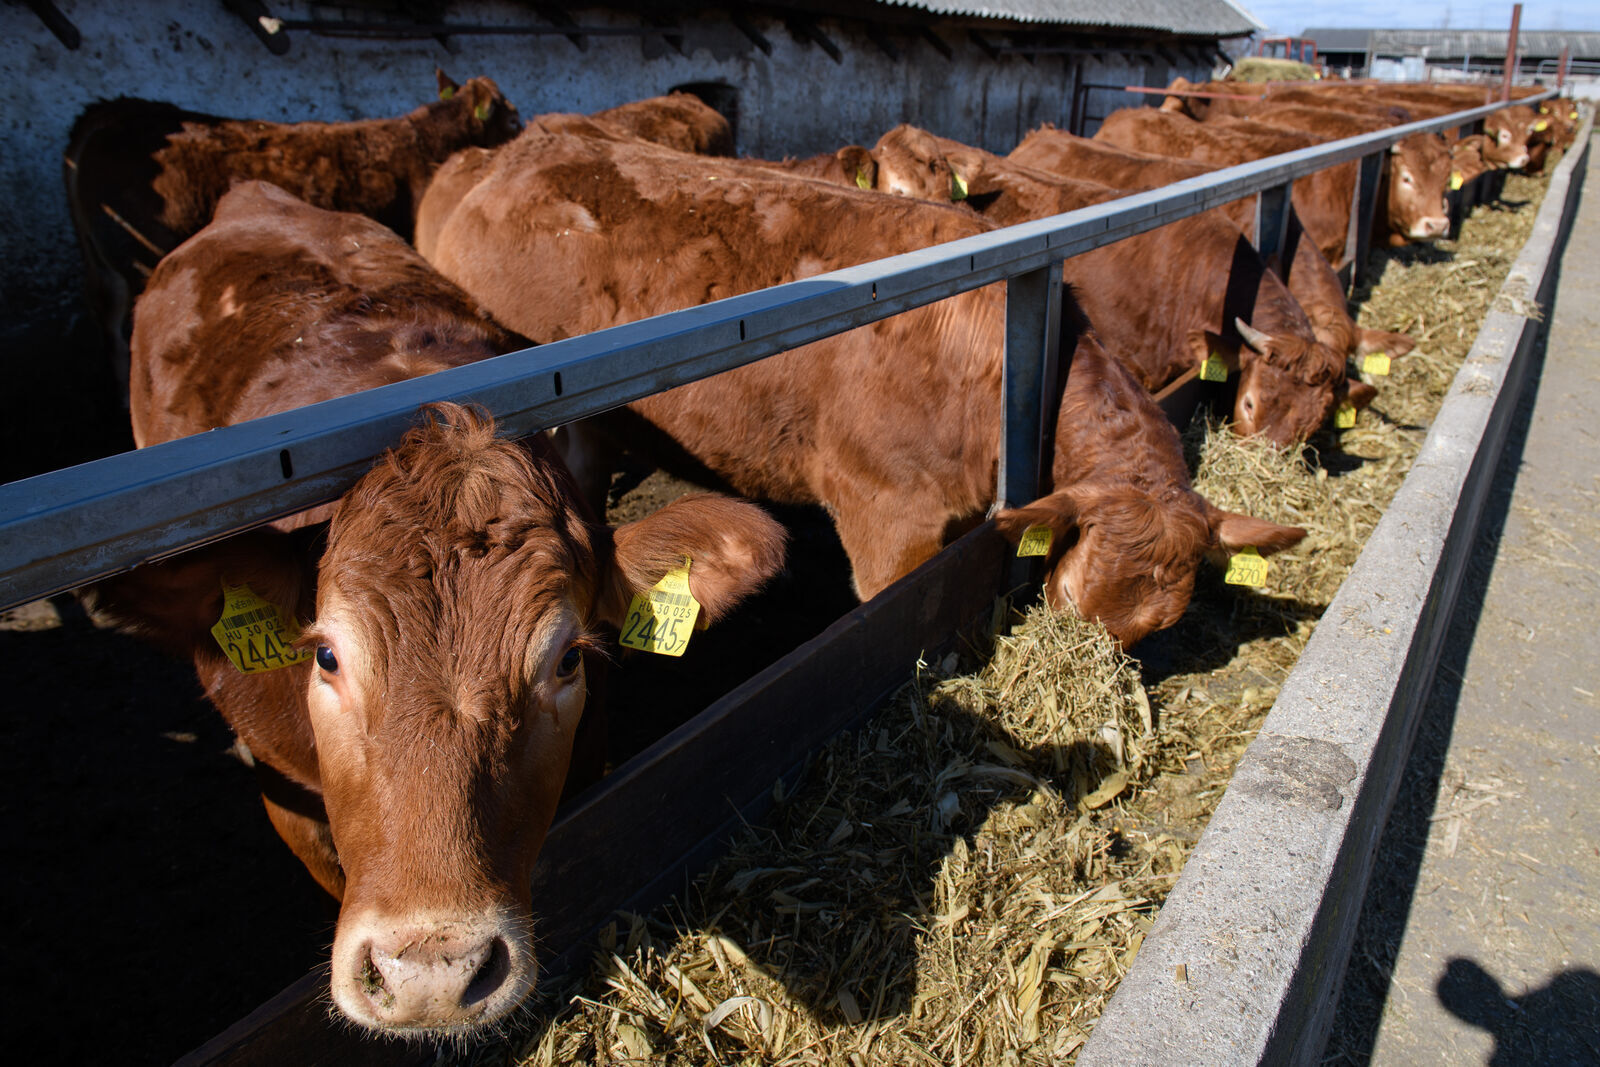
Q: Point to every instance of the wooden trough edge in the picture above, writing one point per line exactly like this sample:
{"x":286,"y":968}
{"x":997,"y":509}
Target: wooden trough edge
{"x":1246,"y":958}
{"x":636,"y":837}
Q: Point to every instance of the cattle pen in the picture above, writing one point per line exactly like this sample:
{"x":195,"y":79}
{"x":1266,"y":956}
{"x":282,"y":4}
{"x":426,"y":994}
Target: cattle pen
{"x":77,"y":525}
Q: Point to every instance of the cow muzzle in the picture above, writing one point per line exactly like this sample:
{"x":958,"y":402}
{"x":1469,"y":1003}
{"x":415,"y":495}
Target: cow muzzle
{"x":426,"y":975}
{"x":1428,"y":229}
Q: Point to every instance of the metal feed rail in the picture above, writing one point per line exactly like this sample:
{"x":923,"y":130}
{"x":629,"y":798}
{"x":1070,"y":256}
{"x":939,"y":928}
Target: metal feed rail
{"x":73,"y":526}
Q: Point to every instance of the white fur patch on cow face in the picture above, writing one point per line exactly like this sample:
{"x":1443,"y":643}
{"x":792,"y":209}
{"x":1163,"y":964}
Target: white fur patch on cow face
{"x":228,"y":304}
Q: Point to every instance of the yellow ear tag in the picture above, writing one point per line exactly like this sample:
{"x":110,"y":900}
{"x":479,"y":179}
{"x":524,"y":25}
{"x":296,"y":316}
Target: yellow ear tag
{"x":1345,"y":417}
{"x":661,"y":620}
{"x":1456,"y":179}
{"x":1541,"y":126}
{"x":253,"y":633}
{"x":1247,"y":567}
{"x":1573,"y":116}
{"x":1212,"y":369}
{"x":447,"y":92}
{"x":861,"y":180}
{"x":481,"y":112}
{"x":1375,"y":363}
{"x":958,"y":186}
{"x":1036,"y":541}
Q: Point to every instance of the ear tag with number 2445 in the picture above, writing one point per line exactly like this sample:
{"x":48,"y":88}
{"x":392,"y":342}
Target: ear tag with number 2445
{"x":661,"y":619}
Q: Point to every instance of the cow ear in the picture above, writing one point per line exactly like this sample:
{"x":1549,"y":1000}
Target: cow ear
{"x":1059,"y":512}
{"x":1202,"y":343}
{"x":1360,"y":394}
{"x":175,"y":602}
{"x":481,"y":97}
{"x":447,"y":85}
{"x":734,"y":548}
{"x":859,"y":165}
{"x":1232,"y":532}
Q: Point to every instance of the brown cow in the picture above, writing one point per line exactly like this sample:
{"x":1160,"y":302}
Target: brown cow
{"x":1323,"y":199}
{"x":1311,"y":278}
{"x":886,"y":168}
{"x":414,"y":743}
{"x":893,"y":427}
{"x":1165,"y":300}
{"x":1554,"y":128}
{"x":142,"y":176}
{"x":1508,"y":131}
{"x":677,"y":120}
{"x":1413,"y":186}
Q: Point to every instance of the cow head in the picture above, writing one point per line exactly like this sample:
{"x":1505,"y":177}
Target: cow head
{"x":1419,"y":181}
{"x":479,"y":108}
{"x":911,"y":163}
{"x":1507,"y":133}
{"x":1127,"y":557}
{"x":458,"y":599}
{"x":1286,"y":382}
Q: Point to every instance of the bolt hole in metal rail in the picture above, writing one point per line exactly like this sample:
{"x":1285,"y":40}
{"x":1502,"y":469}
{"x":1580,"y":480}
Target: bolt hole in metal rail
{"x":76,"y":525}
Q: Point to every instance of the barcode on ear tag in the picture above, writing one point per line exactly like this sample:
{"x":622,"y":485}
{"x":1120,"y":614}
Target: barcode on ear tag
{"x":1345,"y":417}
{"x":1213,"y":369}
{"x":1247,"y":567}
{"x":254,"y":634}
{"x":1375,"y":363}
{"x":662,"y":619}
{"x":1036,"y":541}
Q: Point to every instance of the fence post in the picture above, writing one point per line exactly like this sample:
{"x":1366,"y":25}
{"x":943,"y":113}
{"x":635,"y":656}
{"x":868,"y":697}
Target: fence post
{"x":1030,"y":394}
{"x":1031,"y":388}
{"x":1362,"y":210}
{"x":1272,"y":220}
{"x":1512,"y":60}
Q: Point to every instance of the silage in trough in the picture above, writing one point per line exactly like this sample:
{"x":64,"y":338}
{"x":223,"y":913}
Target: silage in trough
{"x":967,"y":878}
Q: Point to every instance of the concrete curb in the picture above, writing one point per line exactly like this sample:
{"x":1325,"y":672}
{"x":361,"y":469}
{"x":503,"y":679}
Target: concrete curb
{"x":1246,"y":959}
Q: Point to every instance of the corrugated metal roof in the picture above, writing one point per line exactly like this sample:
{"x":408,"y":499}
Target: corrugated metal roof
{"x":1338,"y":40}
{"x":1202,"y":18}
{"x":1456,"y":44}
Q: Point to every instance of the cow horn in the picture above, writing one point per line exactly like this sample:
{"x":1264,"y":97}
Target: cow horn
{"x":1252,"y":336}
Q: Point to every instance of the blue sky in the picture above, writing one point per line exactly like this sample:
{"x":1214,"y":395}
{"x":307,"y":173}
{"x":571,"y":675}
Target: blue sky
{"x":1292,"y":16}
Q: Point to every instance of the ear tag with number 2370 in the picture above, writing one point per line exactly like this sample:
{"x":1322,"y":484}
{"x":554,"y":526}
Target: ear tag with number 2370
{"x":1035,"y":541}
{"x":254,"y":634}
{"x":662,"y":619}
{"x":1247,"y":567}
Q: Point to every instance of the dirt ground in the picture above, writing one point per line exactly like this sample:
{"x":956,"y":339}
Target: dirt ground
{"x":1479,"y":941}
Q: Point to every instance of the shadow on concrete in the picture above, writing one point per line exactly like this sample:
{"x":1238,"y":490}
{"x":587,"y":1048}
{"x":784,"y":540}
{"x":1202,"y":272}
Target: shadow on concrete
{"x":1544,"y":1025}
{"x":1392,"y":887}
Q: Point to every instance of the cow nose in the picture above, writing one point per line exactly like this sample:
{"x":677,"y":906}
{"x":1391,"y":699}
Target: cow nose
{"x":442,"y":974}
{"x":432,"y":978}
{"x":1434,"y":226}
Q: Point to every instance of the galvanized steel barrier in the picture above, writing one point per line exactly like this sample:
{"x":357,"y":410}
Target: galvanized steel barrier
{"x":76,"y":525}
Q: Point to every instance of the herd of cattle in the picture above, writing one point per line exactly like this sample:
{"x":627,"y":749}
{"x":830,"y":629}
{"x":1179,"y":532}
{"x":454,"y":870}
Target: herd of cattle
{"x":439,"y":628}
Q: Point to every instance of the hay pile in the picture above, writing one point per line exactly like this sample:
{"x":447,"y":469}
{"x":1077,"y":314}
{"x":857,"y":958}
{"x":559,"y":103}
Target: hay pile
{"x":948,"y":885}
{"x":1256,"y":69}
{"x":967,"y":878}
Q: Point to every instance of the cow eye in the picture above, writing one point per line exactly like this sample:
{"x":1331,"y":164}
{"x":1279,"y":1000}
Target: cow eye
{"x":326,"y":659}
{"x":569,"y":663}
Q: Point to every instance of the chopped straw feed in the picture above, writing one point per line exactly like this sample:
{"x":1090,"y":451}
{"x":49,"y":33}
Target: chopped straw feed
{"x":968,"y":877}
